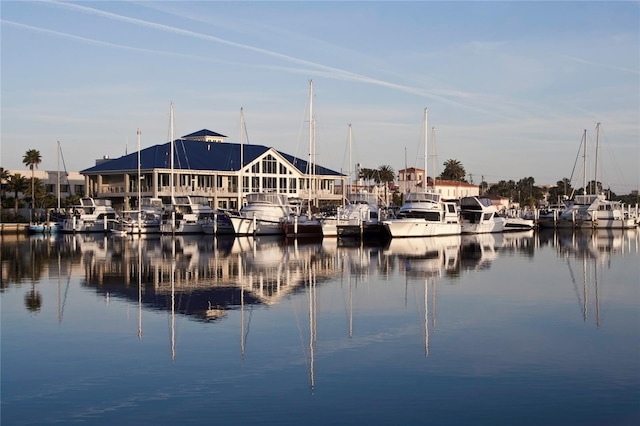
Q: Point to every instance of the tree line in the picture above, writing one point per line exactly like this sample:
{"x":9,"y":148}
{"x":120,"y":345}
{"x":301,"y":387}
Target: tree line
{"x":524,"y":191}
{"x":36,"y":195}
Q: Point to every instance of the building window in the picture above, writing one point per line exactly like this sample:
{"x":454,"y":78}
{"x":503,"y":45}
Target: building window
{"x":293,"y":185}
{"x":269,"y":183}
{"x":245,"y":184}
{"x":255,"y":168}
{"x":255,"y":184}
{"x":269,"y":165}
{"x":283,"y":169}
{"x":283,"y":184}
{"x":219,"y":182}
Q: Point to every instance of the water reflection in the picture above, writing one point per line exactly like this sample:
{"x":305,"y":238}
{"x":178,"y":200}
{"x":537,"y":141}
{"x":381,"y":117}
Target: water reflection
{"x":204,"y":277}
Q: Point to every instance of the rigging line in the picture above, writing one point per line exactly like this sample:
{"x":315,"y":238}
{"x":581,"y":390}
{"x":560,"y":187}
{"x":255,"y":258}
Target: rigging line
{"x":246,"y":334}
{"x":418,"y":310}
{"x":575,"y":285}
{"x":302,"y":343}
{"x":582,"y":141}
{"x":66,"y":174}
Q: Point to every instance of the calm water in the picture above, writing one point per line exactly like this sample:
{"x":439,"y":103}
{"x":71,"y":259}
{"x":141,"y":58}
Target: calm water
{"x":513,"y":329}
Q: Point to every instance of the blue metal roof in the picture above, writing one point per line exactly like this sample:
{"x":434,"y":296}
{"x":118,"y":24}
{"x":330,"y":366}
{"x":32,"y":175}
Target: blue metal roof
{"x":196,"y":155}
{"x":203,"y":132}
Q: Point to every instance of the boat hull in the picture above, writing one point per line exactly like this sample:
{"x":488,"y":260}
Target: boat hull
{"x":409,"y":227}
{"x":255,"y":226}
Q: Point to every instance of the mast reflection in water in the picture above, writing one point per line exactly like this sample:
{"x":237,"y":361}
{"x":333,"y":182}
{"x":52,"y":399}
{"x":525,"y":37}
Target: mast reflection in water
{"x":277,"y":331}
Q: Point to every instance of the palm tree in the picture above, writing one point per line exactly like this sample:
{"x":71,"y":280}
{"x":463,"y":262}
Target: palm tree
{"x":386,"y":174}
{"x":4,"y":181}
{"x":17,"y":184}
{"x":453,"y":170}
{"x":31,"y":159}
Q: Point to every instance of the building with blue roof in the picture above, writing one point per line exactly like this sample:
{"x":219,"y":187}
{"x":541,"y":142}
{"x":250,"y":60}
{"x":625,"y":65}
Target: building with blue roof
{"x":204,"y":164}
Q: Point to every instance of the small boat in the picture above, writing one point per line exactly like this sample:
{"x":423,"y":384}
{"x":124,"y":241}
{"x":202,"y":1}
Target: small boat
{"x":518,"y":224}
{"x":146,"y":220}
{"x":187,"y":215}
{"x":479,"y":216}
{"x":596,"y":211}
{"x":517,"y":221}
{"x":361,"y":217}
{"x":91,"y":215}
{"x":262,"y":214}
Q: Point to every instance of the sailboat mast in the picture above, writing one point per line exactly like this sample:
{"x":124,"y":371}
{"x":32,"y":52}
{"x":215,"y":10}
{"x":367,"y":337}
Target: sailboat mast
{"x":595,"y":173}
{"x":584,"y":164}
{"x":240,"y":182}
{"x":426,"y":178}
{"x":58,"y":185}
{"x":350,"y":162}
{"x":172,"y":143}
{"x":310,"y":144}
{"x":139,"y":181}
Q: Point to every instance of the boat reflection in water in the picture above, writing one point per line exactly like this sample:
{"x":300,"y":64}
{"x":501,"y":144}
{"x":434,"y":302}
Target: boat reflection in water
{"x":534,"y":319}
{"x":203,"y":278}
{"x":200,"y":277}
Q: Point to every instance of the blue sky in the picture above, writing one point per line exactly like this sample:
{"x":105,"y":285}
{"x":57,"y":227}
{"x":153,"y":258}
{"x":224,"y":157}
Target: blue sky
{"x":510,"y":86}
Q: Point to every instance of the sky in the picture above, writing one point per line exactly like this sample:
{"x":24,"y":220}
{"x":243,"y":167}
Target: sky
{"x":510,"y":87}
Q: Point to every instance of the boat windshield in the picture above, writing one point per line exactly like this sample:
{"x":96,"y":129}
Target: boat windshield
{"x":423,"y":197}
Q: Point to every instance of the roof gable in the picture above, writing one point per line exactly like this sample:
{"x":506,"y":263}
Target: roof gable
{"x":197,"y":155}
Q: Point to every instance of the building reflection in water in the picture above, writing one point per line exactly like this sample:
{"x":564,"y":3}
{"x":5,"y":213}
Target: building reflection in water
{"x":203,"y":278}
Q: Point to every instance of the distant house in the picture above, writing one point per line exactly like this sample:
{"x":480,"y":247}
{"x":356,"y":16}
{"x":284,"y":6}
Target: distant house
{"x":205,"y":165}
{"x":411,"y":179}
{"x":71,"y":183}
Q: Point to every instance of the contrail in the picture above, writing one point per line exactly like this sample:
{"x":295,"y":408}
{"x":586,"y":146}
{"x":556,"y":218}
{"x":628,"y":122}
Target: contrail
{"x":450,"y":97}
{"x":331,"y":72}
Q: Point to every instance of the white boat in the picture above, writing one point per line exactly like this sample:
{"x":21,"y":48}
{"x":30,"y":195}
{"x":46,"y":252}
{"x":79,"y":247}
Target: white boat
{"x":424,"y":214}
{"x":518,"y":224}
{"x":54,"y":219}
{"x":517,"y":221}
{"x":595,"y":211}
{"x":146,"y":220}
{"x":479,"y":216}
{"x":148,"y":216}
{"x":91,"y":215}
{"x":361,"y":217}
{"x":187,"y":215}
{"x":262,"y":214}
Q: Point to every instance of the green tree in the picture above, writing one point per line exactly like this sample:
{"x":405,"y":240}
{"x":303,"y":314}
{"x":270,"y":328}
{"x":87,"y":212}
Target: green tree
{"x":386,"y":174}
{"x":17,"y":184}
{"x":4,"y":181}
{"x":39,"y":195}
{"x":453,"y":170}
{"x":32,"y":159}
{"x":369,"y":175}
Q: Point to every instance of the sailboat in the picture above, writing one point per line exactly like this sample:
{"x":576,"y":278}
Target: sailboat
{"x":53,"y":221}
{"x":362,"y":216}
{"x":305,"y":225}
{"x":424,"y":213}
{"x":187,"y":214}
{"x":595,"y":210}
{"x":147,"y":217}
